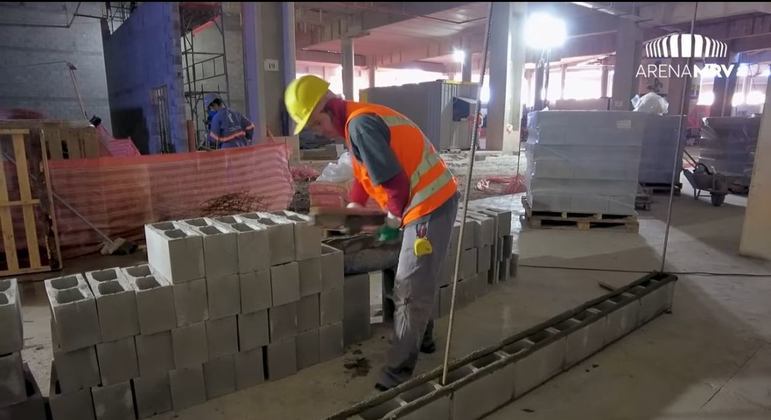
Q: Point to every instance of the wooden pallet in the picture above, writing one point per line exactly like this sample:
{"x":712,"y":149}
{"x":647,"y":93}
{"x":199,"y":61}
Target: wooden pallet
{"x":63,"y":139}
{"x":578,"y":221}
{"x":659,"y":188}
{"x":27,"y":218}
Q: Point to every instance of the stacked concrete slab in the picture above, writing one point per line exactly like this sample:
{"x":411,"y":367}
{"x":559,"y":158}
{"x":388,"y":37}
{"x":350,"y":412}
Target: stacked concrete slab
{"x":660,"y":141}
{"x":728,"y":146}
{"x":584,"y":161}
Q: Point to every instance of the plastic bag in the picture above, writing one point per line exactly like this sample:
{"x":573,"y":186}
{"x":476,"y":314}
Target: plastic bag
{"x":342,"y":171}
{"x":651,"y":103}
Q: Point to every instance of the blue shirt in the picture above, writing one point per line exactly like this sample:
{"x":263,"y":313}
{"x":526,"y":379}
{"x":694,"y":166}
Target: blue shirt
{"x":230,"y":126}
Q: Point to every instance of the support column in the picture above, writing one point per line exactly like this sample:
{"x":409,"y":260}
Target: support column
{"x":563,"y":73}
{"x":757,"y":224}
{"x":289,"y":54}
{"x":347,"y":62}
{"x":252,"y":38}
{"x":604,"y":81}
{"x":628,"y":41}
{"x":371,"y":71}
{"x":465,"y":73}
{"x":507,"y":59}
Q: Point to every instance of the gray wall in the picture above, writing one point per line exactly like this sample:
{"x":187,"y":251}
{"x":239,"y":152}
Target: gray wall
{"x":143,"y":54}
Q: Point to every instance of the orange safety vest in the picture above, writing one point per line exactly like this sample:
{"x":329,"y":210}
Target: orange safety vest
{"x":431,"y":183}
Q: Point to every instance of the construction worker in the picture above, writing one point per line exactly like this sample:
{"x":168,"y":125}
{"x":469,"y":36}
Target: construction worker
{"x":397,"y":166}
{"x":227,"y":128}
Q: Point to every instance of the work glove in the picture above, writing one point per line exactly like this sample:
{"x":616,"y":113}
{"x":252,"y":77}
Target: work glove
{"x":390,"y":230}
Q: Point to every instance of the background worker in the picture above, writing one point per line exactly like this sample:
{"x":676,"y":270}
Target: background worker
{"x":227,"y":128}
{"x":397,"y":166}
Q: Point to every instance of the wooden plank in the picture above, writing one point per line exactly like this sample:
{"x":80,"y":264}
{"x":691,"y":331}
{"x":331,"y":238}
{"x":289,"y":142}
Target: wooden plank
{"x":6,"y":223}
{"x":53,"y":140}
{"x":90,"y":142}
{"x":70,"y":135}
{"x":19,"y":203}
{"x":52,"y":247}
{"x":22,"y":173}
{"x":40,"y":269}
{"x":13,"y":131}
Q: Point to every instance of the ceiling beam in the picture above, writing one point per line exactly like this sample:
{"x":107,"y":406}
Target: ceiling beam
{"x":661,"y":14}
{"x":327,"y":57}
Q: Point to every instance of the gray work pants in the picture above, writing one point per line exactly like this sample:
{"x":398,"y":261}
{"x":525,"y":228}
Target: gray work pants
{"x":415,"y":287}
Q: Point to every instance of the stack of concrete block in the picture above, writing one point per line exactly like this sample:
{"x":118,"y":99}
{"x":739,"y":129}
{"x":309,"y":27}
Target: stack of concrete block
{"x":658,"y":150}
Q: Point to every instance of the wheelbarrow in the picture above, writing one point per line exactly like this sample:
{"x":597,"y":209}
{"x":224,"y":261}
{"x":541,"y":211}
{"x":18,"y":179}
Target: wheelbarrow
{"x":704,"y":179}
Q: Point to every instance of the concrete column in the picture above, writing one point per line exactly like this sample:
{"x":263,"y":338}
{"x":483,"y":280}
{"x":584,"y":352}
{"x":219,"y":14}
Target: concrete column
{"x":563,"y":73}
{"x":372,"y":70}
{"x":757,"y":224}
{"x":604,"y":81}
{"x":507,"y":59}
{"x":466,"y":66}
{"x":289,"y":52}
{"x":628,"y":41}
{"x":347,"y":62}
{"x":252,"y":39}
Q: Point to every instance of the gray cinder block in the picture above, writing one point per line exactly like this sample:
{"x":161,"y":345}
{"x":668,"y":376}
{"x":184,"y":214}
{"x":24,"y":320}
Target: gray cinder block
{"x":10,"y":317}
{"x":283,"y":321}
{"x":331,"y":306}
{"x":223,"y":296}
{"x":32,"y":407}
{"x":252,"y":243}
{"x":220,"y":250}
{"x":282,"y":358}
{"x":330,"y":341}
{"x":485,"y":394}
{"x":187,"y":387}
{"x":280,"y":235}
{"x":256,"y":292}
{"x":190,"y":302}
{"x":73,"y":313}
{"x":75,"y":405}
{"x":308,"y":346}
{"x":116,"y":304}
{"x":253,"y":330}
{"x":332,"y":268}
{"x":113,"y":402}
{"x":175,"y":250}
{"x":437,"y":409}
{"x":483,"y":259}
{"x":508,"y":246}
{"x":117,"y":360}
{"x":77,"y":369}
{"x":308,"y":313}
{"x":468,"y":263}
{"x":307,"y":238}
{"x":285,"y":283}
{"x":654,"y":303}
{"x":219,"y":376}
{"x":250,"y":370}
{"x":155,"y":303}
{"x":622,"y":321}
{"x":12,"y":386}
{"x":310,"y":276}
{"x":190,"y":345}
{"x":222,"y":336}
{"x":152,"y":395}
{"x":586,"y":341}
{"x":540,"y":365}
{"x":155,"y":353}
{"x":503,"y":220}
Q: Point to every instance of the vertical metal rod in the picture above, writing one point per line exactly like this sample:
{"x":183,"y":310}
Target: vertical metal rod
{"x":74,"y":78}
{"x":467,"y":192}
{"x":677,"y":149}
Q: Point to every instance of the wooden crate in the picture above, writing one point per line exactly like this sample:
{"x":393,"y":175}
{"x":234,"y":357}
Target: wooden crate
{"x":27,"y":218}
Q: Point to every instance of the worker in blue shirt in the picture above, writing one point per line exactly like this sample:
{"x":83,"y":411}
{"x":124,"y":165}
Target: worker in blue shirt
{"x":228,"y":128}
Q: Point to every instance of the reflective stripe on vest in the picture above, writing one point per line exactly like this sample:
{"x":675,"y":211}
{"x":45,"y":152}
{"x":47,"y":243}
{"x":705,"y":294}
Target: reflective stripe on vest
{"x":430,"y":189}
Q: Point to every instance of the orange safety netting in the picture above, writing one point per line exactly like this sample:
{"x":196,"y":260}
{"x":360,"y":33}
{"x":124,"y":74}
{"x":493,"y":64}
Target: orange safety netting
{"x":119,"y":195}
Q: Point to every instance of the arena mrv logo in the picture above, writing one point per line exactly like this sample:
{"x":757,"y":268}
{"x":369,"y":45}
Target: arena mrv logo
{"x":685,"y":46}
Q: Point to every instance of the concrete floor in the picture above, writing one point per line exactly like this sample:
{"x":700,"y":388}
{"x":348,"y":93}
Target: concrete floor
{"x":710,"y":359}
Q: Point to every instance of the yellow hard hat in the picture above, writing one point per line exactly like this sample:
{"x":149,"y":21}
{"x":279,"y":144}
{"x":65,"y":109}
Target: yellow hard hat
{"x":301,"y":97}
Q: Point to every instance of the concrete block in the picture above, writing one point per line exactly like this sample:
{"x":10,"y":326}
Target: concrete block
{"x":283,"y":321}
{"x":10,"y":317}
{"x":113,"y":402}
{"x":155,"y":353}
{"x":587,"y":340}
{"x":222,"y":336}
{"x":540,"y":365}
{"x":152,"y":395}
{"x":116,"y":304}
{"x":253,"y":330}
{"x":356,"y":328}
{"x":356,"y":295}
{"x":623,"y":320}
{"x":436,"y":409}
{"x":32,"y":407}
{"x":155,"y":303}
{"x":190,"y":302}
{"x":190,"y":345}
{"x":280,"y":235}
{"x":117,"y":360}
{"x":469,"y":232}
{"x":508,"y":246}
{"x":331,"y":341}
{"x":308,"y":346}
{"x":220,"y":250}
{"x":503,"y":270}
{"x":219,"y":376}
{"x":252,"y":242}
{"x":285,"y":283}
{"x":73,"y":313}
{"x":77,"y":369}
{"x":332,"y":268}
{"x":250,"y":370}
{"x":381,"y":410}
{"x":307,"y":238}
{"x":486,"y":393}
{"x":223,"y":295}
{"x":187,"y":387}
{"x":513,"y":265}
{"x":175,"y":250}
{"x":308,"y":313}
{"x":76,"y":405}
{"x":487,"y":228}
{"x":468,"y":263}
{"x":310,"y":276}
{"x":12,"y":386}
{"x":256,"y":294}
{"x":282,"y":358}
{"x":654,"y":303}
{"x":483,"y":259}
{"x":331,"y":306}
{"x":445,"y":293}
{"x":503,"y":220}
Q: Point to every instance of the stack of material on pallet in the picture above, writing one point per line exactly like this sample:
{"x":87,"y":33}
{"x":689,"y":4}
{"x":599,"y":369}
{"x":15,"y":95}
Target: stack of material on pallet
{"x":728,"y":146}
{"x":584,"y":161}
{"x":658,"y":150}
{"x":20,"y":396}
{"x":224,"y":304}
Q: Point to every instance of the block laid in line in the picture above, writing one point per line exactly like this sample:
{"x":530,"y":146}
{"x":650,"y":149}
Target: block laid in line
{"x":33,"y":407}
{"x":188,"y":387}
{"x":308,"y":313}
{"x":113,"y":402}
{"x":12,"y":386}
{"x":280,"y":235}
{"x":155,"y":353}
{"x":252,"y":242}
{"x":117,"y":360}
{"x":308,"y":346}
{"x":310,"y":276}
{"x":116,"y":304}
{"x":190,"y":345}
{"x":250,"y":370}
{"x":190,"y":302}
{"x":152,"y":395}
{"x":223,"y":296}
{"x":282,"y":358}
{"x":332,"y":268}
{"x":356,"y":296}
{"x":77,"y":369}
{"x":285,"y":283}
{"x":155,"y":302}
{"x":330,"y":341}
{"x":175,"y":250}
{"x":468,"y":263}
{"x":508,"y":246}
{"x":10,"y":317}
{"x":307,"y":238}
{"x":253,"y":330}
{"x":219,"y":376}
{"x":483,"y":259}
{"x":73,"y":313}
{"x":256,"y":292}
{"x":331,"y":306}
{"x":75,"y":405}
{"x":222,"y":336}
{"x":283,"y":321}
{"x":220,"y":250}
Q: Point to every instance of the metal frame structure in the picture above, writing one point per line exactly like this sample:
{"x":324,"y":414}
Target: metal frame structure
{"x":117,"y":12}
